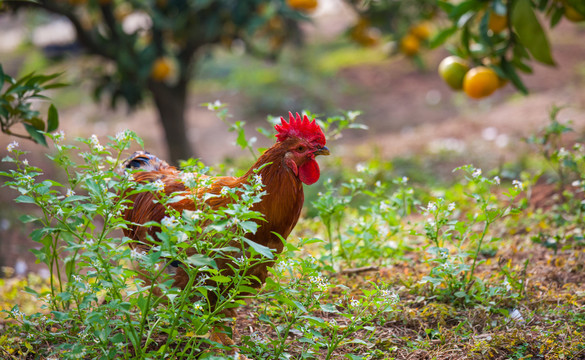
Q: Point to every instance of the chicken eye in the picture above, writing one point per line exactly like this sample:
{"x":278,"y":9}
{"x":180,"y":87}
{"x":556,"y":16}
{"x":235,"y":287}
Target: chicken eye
{"x":301,"y":148}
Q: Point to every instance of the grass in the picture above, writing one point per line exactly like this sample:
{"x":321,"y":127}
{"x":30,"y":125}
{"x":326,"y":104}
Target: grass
{"x":384,"y":268}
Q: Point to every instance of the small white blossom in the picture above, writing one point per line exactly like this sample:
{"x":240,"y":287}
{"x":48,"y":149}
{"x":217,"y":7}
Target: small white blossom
{"x":384,"y":206}
{"x":431,"y":222}
{"x":518,"y":184}
{"x":25,"y":162}
{"x":188,"y":178}
{"x":159,"y":185}
{"x":69,"y":193}
{"x":361,"y":167}
{"x":122,"y":135}
{"x":476,"y":173}
{"x":576,"y":183}
{"x":320,"y":282}
{"x":197,"y":306}
{"x":240,"y":260}
{"x":224,"y":190}
{"x":96,"y":143}
{"x":378,"y":184}
{"x":258,"y":179}
{"x":354,"y":303}
{"x":391,"y":297}
{"x":497,"y":179}
{"x":196,"y":215}
{"x":169,"y":222}
{"x":58,"y":137}
{"x":451,"y":206}
{"x":563,"y":153}
{"x":404,"y":180}
{"x":214,"y":105}
{"x":431,"y":206}
{"x":13,"y":145}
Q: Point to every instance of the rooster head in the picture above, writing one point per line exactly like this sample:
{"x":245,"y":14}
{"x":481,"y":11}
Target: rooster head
{"x":303,"y":140}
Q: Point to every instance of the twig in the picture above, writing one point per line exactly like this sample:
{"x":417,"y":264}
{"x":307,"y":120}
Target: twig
{"x":356,"y":271}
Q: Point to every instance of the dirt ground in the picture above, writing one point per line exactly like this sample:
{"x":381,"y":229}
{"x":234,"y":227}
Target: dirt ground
{"x":408,"y":112}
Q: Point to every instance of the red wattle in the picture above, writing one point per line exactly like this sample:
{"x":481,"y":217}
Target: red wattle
{"x":309,"y":172}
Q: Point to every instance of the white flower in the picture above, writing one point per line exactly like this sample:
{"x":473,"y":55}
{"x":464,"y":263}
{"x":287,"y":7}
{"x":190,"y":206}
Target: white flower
{"x":391,"y":297}
{"x":188,"y":178}
{"x":320,"y":282}
{"x":354,"y":303}
{"x":451,"y":206}
{"x":195,"y":215}
{"x":197,"y":306}
{"x":58,"y":137}
{"x":576,"y":183}
{"x":169,"y":222}
{"x":159,"y":185}
{"x":476,"y":173}
{"x":563,"y":153}
{"x":25,"y":162}
{"x":497,"y":179}
{"x":361,"y":167}
{"x":122,"y":135}
{"x":431,"y":206}
{"x":404,"y":180}
{"x":13,"y":145}
{"x":240,"y":260}
{"x":384,"y":206}
{"x":224,"y":190}
{"x":96,"y":143}
{"x":215,"y":105}
{"x":378,"y":183}
{"x":69,"y":193}
{"x":518,"y":184}
{"x":431,"y":222}
{"x":258,"y":179}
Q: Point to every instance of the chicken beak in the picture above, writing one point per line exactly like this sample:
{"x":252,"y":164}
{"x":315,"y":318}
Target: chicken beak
{"x":322,"y":151}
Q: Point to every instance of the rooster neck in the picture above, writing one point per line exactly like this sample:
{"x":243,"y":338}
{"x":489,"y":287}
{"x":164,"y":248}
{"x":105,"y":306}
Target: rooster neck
{"x":283,"y":202}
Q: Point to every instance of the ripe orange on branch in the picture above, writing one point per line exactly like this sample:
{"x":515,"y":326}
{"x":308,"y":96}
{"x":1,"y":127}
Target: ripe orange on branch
{"x":421,"y":30}
{"x":480,"y":82}
{"x":303,"y":5}
{"x":409,"y":45}
{"x":453,"y":69}
{"x":497,"y":23}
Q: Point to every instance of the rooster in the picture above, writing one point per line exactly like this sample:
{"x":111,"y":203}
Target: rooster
{"x":283,"y":168}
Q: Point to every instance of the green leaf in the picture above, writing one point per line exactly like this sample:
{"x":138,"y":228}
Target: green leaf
{"x":201,"y":260}
{"x":28,"y":218}
{"x":511,"y":74}
{"x":578,"y":5}
{"x":260,"y":249}
{"x":52,"y":119}
{"x":330,"y":308}
{"x":24,"y":199}
{"x":439,"y":38}
{"x":36,"y":135}
{"x":530,"y":32}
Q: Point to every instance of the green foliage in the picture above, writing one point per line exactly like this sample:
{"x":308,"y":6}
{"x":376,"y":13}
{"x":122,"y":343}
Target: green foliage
{"x":455,"y":245}
{"x":16,"y":105}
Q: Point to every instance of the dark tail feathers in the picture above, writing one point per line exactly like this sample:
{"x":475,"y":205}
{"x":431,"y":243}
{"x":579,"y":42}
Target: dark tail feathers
{"x":145,"y":161}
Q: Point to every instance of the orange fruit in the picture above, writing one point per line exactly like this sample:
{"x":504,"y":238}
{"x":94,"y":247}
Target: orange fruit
{"x":480,"y":82}
{"x":163,"y":69}
{"x":409,"y":45}
{"x":421,"y":31}
{"x":497,"y":23}
{"x":303,"y":5}
{"x":573,"y":15}
{"x":453,"y":69}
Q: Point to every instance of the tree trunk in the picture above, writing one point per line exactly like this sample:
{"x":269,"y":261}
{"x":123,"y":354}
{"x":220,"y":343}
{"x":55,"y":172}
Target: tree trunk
{"x":171,"y":105}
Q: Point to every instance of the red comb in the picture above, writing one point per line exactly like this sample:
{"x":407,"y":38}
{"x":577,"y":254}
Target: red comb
{"x":305,"y":129}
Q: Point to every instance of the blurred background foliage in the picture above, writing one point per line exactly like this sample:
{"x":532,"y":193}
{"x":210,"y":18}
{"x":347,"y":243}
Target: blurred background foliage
{"x":154,"y":49}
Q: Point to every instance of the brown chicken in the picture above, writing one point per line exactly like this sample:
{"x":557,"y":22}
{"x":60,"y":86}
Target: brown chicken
{"x":284,"y":167}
